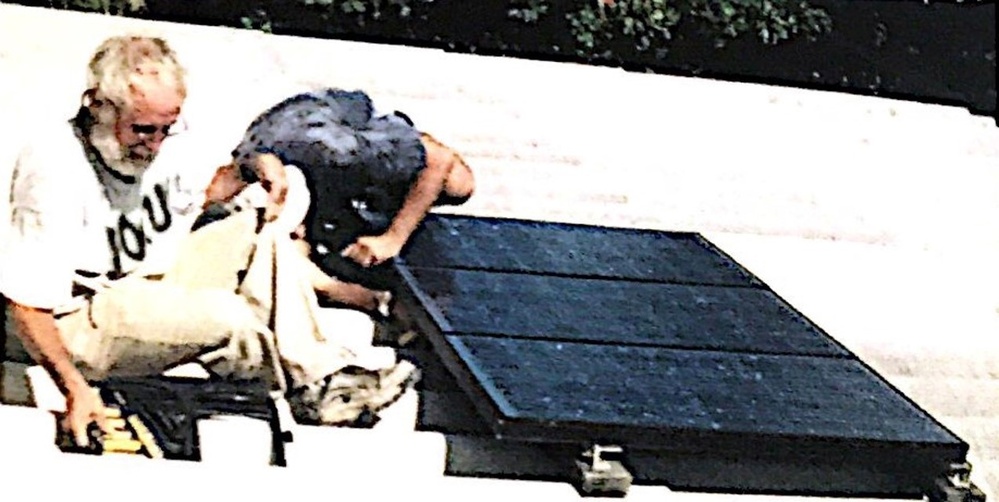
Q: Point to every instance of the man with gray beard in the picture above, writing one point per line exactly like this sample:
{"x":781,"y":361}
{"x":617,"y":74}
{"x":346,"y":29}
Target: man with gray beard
{"x":103,"y":276}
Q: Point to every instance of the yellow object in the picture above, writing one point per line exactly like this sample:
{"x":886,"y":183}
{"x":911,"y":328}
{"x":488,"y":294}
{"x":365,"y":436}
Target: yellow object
{"x":121,"y":435}
{"x":122,"y":446}
{"x":145,"y":437}
{"x":117,"y":424}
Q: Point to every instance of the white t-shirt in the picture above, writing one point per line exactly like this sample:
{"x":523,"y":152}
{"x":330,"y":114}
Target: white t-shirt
{"x":71,"y":222}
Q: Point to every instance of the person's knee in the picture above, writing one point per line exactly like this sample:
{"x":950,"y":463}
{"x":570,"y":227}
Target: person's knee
{"x":246,"y":342}
{"x":234,"y":315}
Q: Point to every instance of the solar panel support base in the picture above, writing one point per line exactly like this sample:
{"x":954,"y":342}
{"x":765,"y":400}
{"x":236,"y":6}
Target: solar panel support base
{"x":601,"y":473}
{"x":956,"y":486}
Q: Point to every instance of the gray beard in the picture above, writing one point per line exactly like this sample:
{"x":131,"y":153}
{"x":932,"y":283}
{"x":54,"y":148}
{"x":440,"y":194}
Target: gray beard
{"x":114,"y":155}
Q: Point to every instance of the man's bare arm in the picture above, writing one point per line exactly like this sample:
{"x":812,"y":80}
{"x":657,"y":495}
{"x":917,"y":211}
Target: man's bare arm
{"x":446,"y":176}
{"x":428,"y":188}
{"x":445,"y":179}
{"x":38,"y":331}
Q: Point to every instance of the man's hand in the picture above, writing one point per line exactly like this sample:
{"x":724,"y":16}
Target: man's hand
{"x":273,"y":208}
{"x":38,"y":330}
{"x":84,"y":407}
{"x":274,"y":179}
{"x":370,"y":251}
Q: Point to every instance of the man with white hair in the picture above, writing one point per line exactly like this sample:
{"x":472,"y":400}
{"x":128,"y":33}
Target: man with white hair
{"x":103,"y":276}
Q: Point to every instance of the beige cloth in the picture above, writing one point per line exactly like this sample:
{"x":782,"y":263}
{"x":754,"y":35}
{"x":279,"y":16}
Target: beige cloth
{"x":236,"y":299}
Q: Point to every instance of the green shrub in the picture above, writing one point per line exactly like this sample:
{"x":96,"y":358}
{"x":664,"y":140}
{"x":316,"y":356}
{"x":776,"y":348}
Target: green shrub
{"x":650,"y":24}
{"x":597,"y":25}
{"x":364,"y":8}
{"x":528,"y":11}
{"x":117,"y":7}
{"x":772,"y":21}
{"x":259,"y":20}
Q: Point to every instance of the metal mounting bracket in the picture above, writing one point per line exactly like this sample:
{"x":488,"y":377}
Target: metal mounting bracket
{"x":601,"y":473}
{"x":955,"y":486}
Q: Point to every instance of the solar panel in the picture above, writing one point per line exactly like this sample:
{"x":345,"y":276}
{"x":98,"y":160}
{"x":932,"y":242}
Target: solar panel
{"x":663,"y":345}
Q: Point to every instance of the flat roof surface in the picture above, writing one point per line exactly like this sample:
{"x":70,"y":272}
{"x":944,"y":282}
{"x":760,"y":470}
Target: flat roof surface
{"x":878,"y":219}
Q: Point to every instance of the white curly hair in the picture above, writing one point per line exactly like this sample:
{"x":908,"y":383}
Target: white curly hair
{"x":119,"y":62}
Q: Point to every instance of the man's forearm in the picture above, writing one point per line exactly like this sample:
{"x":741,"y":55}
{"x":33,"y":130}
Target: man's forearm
{"x":40,"y":335}
{"x":419,"y":200}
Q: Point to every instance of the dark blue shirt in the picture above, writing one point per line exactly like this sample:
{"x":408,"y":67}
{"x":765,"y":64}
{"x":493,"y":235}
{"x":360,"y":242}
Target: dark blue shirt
{"x":359,"y":166}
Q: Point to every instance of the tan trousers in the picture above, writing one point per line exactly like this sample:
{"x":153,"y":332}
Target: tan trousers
{"x":238,"y":301}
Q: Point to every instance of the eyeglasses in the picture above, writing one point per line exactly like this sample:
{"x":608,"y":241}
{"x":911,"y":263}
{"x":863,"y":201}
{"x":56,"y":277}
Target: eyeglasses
{"x":144,"y":131}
